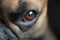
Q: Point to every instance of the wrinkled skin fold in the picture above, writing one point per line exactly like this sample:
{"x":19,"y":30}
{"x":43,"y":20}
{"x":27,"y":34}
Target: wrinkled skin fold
{"x":14,"y":24}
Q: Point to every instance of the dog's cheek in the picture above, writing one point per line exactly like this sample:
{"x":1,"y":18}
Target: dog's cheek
{"x":6,"y":33}
{"x":42,"y":23}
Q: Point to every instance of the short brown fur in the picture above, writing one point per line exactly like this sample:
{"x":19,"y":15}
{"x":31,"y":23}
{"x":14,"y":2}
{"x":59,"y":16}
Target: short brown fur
{"x":39,"y":28}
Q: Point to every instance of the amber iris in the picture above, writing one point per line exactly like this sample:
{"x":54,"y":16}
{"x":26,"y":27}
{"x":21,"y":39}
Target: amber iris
{"x":30,"y":15}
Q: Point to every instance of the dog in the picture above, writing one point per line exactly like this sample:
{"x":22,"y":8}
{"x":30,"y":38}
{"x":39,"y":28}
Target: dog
{"x":26,"y":19}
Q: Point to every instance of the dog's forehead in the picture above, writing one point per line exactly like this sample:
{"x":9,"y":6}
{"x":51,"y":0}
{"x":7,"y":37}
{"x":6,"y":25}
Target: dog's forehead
{"x":32,"y":1}
{"x":10,"y":5}
{"x":36,"y":3}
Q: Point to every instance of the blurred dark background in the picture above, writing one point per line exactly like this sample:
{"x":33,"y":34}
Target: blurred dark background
{"x":54,"y":16}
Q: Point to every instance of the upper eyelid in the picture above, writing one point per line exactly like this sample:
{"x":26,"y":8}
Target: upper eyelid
{"x":23,"y":8}
{"x":27,"y":11}
{"x":27,"y":8}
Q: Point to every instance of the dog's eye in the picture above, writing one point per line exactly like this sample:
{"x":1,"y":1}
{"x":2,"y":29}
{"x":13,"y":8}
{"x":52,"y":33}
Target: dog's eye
{"x":29,"y":15}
